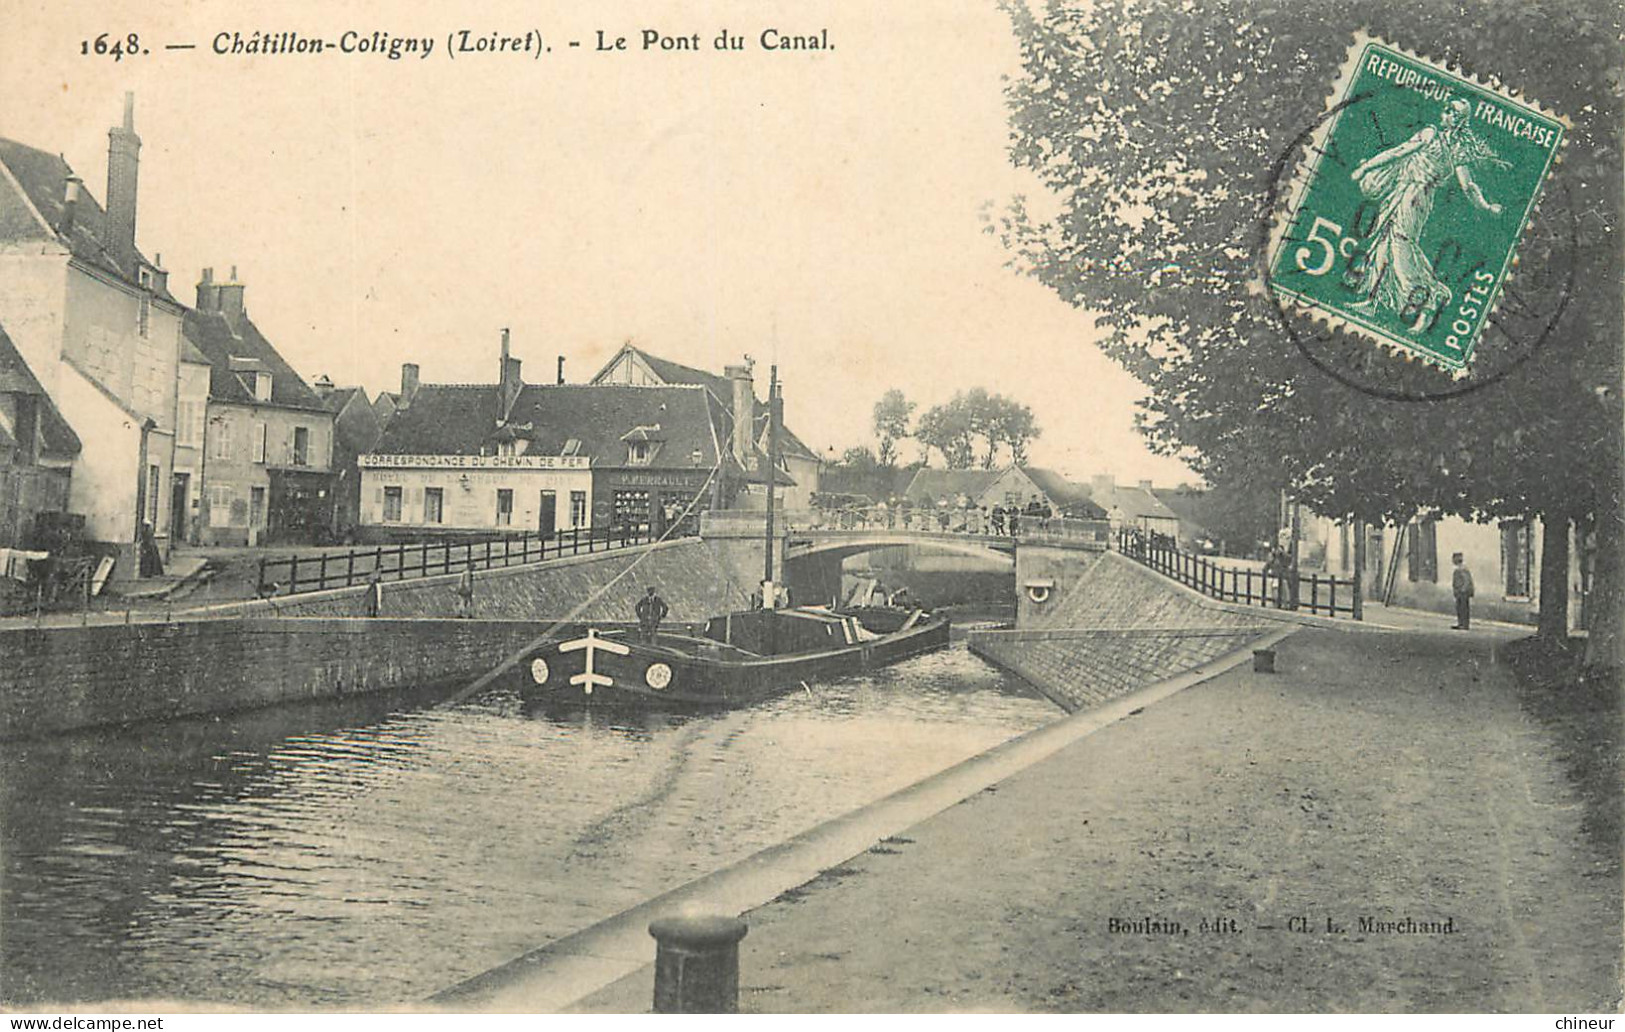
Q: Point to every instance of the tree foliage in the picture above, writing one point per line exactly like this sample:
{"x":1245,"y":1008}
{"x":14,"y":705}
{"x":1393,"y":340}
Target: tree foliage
{"x":891,"y":418}
{"x":975,"y":417}
{"x":1160,"y":130}
{"x":860,"y":459}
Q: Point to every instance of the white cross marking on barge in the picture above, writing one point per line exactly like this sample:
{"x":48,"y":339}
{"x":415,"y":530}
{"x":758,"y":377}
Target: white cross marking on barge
{"x":592,"y":643}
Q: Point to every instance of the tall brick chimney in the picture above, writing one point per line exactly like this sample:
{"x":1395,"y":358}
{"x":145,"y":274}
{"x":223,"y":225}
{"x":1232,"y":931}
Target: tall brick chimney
{"x":508,"y":376}
{"x":744,"y":413}
{"x":222,"y":296}
{"x":409,"y":385}
{"x":72,"y":191}
{"x":123,"y":168}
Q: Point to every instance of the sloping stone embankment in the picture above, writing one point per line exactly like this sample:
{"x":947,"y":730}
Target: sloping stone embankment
{"x":1118,"y":627}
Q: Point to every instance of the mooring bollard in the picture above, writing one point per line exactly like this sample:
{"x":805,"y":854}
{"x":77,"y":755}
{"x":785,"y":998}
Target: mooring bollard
{"x":697,"y":964}
{"x":1263,"y":661}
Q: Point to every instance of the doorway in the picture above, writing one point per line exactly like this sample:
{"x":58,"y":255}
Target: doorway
{"x":546,"y":514}
{"x":179,"y":514}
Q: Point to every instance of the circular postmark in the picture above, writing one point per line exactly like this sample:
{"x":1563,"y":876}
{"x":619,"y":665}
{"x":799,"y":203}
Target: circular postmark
{"x":1398,"y":259}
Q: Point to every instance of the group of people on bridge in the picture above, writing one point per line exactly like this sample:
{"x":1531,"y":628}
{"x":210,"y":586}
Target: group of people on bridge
{"x":949,"y":516}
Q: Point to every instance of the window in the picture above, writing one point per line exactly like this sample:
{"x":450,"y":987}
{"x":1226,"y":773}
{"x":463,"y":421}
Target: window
{"x":506,"y":448}
{"x":632,"y":508}
{"x":504,"y":507}
{"x":572,"y":447}
{"x":578,"y":508}
{"x":639,"y":453}
{"x":222,"y":440}
{"x":220,"y":500}
{"x":392,"y":505}
{"x":301,"y":446}
{"x":189,"y":424}
{"x":1517,"y":558}
{"x":259,"y":442}
{"x":1422,"y":551}
{"x":433,"y":504}
{"x":256,"y":507}
{"x":152,"y":496}
{"x":144,"y":320}
{"x":262,"y":386}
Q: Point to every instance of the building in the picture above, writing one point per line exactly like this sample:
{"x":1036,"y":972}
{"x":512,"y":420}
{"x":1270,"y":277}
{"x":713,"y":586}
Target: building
{"x":1135,"y":507}
{"x":268,"y":437}
{"x":1191,"y":505}
{"x":191,"y":413}
{"x":1410,"y":566}
{"x":958,"y":487}
{"x":1065,"y":497}
{"x":357,"y":425}
{"x":37,"y":449}
{"x":1012,"y":486}
{"x":512,"y":456}
{"x":747,"y":440}
{"x":96,"y":326}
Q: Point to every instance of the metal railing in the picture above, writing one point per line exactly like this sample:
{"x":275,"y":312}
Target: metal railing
{"x":1065,"y":530}
{"x":938,"y":520}
{"x":1319,"y":594}
{"x":299,"y":574}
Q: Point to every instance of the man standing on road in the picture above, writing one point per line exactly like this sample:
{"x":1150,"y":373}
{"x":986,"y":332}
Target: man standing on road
{"x":651,"y":609}
{"x":1461,"y":583}
{"x":465,"y":592}
{"x":375,"y":592}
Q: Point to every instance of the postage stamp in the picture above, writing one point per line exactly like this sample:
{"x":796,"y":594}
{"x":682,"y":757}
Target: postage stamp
{"x":1403,"y":223}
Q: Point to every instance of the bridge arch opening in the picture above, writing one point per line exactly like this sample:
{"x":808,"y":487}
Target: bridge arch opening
{"x":935,"y":572}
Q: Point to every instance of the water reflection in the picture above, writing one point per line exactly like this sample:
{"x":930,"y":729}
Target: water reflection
{"x":373,"y":850}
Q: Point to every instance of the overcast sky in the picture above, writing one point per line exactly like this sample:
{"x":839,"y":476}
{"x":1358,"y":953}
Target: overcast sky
{"x":817,"y":209}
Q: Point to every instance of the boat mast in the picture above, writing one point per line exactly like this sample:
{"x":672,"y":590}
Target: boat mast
{"x":772,"y":475}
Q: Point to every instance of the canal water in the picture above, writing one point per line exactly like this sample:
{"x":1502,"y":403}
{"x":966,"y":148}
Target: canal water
{"x":372,"y":851}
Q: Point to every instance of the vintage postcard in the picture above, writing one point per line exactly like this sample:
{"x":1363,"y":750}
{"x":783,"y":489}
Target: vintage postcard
{"x":1102,"y":507}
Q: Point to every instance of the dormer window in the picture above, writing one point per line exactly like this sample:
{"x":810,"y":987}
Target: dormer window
{"x":642,"y":443}
{"x":507,"y":448}
{"x":260,"y":384}
{"x":572,"y":447}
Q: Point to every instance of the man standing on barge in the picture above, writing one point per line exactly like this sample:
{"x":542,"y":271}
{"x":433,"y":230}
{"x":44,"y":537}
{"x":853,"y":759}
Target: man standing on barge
{"x":651,"y":609}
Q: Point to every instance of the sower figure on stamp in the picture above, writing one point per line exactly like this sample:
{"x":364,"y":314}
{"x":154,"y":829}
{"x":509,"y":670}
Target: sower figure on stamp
{"x":651,"y":609}
{"x":1394,"y":273}
{"x":1461,"y":584}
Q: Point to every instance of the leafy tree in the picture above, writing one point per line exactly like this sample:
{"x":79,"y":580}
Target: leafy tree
{"x":860,"y":459}
{"x":947,"y":428}
{"x":955,"y":427}
{"x":891,"y":418}
{"x":1161,"y":129}
{"x":1014,"y":425}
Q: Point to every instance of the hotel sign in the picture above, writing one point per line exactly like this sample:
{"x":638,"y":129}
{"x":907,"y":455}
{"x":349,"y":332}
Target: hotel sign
{"x":474,"y":462}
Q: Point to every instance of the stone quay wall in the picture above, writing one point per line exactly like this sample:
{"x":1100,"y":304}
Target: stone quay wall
{"x":241,"y":655}
{"x":64,"y":678}
{"x":686,"y":572}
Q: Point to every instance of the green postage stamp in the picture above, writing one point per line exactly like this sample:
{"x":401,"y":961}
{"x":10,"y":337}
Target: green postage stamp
{"x":1403,"y":223}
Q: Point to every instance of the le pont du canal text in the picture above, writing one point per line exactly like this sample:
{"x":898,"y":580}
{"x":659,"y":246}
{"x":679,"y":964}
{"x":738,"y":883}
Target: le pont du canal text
{"x":526,"y":43}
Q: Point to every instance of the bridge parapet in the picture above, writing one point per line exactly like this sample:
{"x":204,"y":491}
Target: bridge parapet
{"x":907,"y":525}
{"x":1064,"y":532}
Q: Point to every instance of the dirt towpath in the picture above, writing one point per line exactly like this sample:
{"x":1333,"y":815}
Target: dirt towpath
{"x":1389,"y":777}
